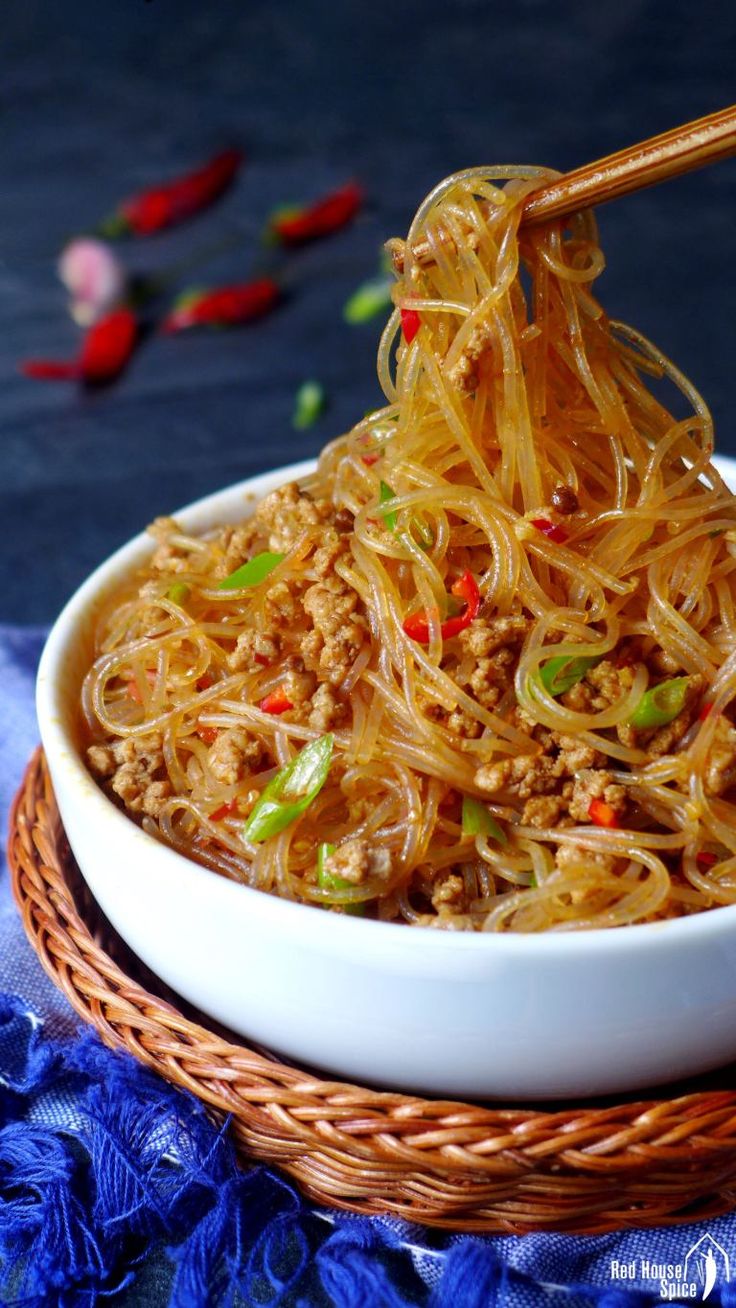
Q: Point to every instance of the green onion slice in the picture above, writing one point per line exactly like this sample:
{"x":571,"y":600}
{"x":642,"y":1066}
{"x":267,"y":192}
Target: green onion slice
{"x":563,"y":672}
{"x":370,"y":299}
{"x":387,"y":493}
{"x":291,"y":791}
{"x":660,"y":704}
{"x":178,"y":593}
{"x":308,"y":404}
{"x":253,"y":572}
{"x":329,"y":881}
{"x":477,"y":821}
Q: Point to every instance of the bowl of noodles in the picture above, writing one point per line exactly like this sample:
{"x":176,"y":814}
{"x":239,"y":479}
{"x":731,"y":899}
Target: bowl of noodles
{"x":418,"y":763}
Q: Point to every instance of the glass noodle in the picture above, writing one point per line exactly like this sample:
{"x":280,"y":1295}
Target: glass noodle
{"x":515,"y":384}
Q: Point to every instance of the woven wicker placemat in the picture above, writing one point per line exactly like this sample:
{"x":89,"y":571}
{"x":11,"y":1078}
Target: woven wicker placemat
{"x":588,"y":1168}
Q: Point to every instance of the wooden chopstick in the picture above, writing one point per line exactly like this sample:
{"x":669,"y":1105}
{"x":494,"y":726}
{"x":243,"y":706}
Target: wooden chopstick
{"x":682,"y":149}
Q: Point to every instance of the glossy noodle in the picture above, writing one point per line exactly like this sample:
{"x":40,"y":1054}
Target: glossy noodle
{"x":494,"y":633}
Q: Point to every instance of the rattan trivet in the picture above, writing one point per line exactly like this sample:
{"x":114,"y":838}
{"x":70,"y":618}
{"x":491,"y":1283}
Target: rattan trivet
{"x":474,"y":1167}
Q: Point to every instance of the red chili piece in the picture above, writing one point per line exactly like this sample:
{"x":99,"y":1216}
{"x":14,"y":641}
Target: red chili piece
{"x":225,"y":307}
{"x":705,"y":711}
{"x":207,"y":734}
{"x":705,"y":859}
{"x":550,"y":529}
{"x":105,"y":351}
{"x":370,"y":459}
{"x":410,"y":324}
{"x":224,"y":811}
{"x":602,"y":814}
{"x":416,"y":625}
{"x":328,"y":215}
{"x":162,"y":206}
{"x":277,"y":701}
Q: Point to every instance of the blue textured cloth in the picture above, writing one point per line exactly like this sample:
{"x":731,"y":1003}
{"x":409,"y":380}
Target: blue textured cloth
{"x":116,"y":1188}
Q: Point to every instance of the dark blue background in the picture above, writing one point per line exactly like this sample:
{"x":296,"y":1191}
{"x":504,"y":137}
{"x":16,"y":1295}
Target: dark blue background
{"x":99,"y":100}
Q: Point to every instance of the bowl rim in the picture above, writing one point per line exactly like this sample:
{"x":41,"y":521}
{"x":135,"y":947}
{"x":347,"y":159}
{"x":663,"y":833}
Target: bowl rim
{"x":335,"y":929}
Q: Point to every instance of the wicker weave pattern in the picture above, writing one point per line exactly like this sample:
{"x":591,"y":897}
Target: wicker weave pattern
{"x":468,"y":1166}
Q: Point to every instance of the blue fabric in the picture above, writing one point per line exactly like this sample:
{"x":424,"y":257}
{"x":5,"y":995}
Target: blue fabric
{"x":116,"y":1188}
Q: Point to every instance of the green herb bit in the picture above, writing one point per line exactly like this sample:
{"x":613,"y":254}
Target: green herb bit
{"x":308,"y":405}
{"x":291,"y":791}
{"x":329,"y":881}
{"x":661,"y":704}
{"x":387,"y":493}
{"x":370,"y":299}
{"x":424,"y":532}
{"x":563,"y":672}
{"x":477,"y":821}
{"x":253,"y":572}
{"x":178,"y":593}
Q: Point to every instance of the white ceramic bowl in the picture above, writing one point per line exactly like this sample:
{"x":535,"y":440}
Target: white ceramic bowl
{"x":535,"y":1016}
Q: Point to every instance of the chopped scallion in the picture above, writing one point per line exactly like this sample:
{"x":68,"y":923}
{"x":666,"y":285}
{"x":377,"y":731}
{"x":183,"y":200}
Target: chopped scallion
{"x":370,"y":299}
{"x":253,"y":572}
{"x":563,"y":672}
{"x":661,"y":704}
{"x":291,"y":791}
{"x":178,"y":593}
{"x":477,"y":821}
{"x":308,"y":405}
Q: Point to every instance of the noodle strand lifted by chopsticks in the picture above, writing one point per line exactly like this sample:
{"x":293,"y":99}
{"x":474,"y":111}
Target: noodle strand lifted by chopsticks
{"x":505,"y":600}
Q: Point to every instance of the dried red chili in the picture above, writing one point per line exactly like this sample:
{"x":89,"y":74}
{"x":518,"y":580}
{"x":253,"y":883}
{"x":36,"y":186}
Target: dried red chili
{"x":416,"y":625}
{"x":323,"y":218}
{"x":162,"y":206}
{"x":225,"y":810}
{"x":410,"y":324}
{"x":706,"y":859}
{"x":225,"y":307}
{"x":106,"y":349}
{"x":551,"y":530}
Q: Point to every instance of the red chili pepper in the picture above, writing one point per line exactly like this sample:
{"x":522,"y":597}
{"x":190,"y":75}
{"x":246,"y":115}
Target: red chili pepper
{"x":705,"y":711}
{"x":550,"y":529}
{"x":602,"y":814}
{"x":705,"y":859}
{"x":327,"y":215}
{"x":262,"y":659}
{"x":416,"y":625}
{"x":225,"y":307}
{"x":370,"y":459}
{"x":410,"y":324}
{"x":105,"y":351}
{"x":207,"y":734}
{"x":224,"y":811}
{"x":162,"y":206}
{"x":134,"y":691}
{"x":277,"y":701}
{"x":206,"y":681}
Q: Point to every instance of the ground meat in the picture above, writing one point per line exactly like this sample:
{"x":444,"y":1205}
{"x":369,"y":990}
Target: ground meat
{"x":338,"y":629}
{"x":283,"y":606}
{"x":486,"y":635}
{"x":538,"y":773}
{"x":358,"y":861}
{"x":286,"y":512}
{"x":464,"y":725}
{"x":332,"y":546}
{"x":298,"y":685}
{"x":327,"y":710}
{"x":720,"y":770}
{"x":233,"y":755}
{"x":544,"y":810}
{"x":168,"y":557}
{"x":238,"y":544}
{"x":448,"y":894}
{"x":571,"y":858}
{"x":136,"y":767}
{"x":595,"y":783}
{"x":101,"y":760}
{"x":463,"y":374}
{"x":254,"y":647}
